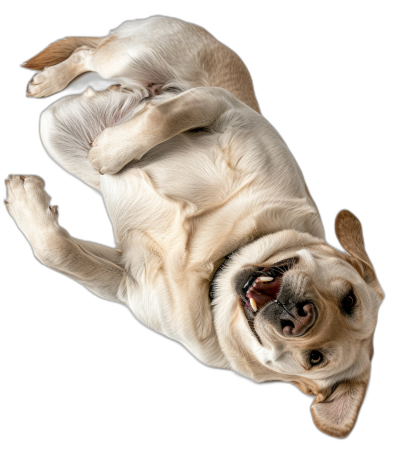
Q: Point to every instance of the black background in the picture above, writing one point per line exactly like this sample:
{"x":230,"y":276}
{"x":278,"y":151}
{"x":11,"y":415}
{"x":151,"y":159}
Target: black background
{"x":77,"y":366}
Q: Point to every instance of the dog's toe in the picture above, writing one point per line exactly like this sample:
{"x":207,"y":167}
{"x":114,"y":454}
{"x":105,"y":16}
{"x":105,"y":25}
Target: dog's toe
{"x":46,"y":83}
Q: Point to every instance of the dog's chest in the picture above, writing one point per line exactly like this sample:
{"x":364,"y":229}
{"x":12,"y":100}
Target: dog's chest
{"x":174,"y":300}
{"x":206,"y":195}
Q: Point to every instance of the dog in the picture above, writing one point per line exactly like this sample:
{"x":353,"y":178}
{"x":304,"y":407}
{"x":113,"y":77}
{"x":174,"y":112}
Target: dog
{"x":220,"y":245}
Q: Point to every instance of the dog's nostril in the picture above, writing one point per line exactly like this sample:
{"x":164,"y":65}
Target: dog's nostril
{"x":287,"y":327}
{"x":305,"y":310}
{"x":299,"y":320}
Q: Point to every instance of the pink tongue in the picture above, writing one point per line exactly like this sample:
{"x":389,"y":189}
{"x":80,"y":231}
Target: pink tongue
{"x":264,"y":292}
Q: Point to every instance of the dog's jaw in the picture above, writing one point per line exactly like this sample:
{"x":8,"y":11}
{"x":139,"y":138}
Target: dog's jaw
{"x":258,"y":287}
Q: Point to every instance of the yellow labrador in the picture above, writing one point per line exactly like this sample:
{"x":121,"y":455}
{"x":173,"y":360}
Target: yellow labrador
{"x":220,"y":245}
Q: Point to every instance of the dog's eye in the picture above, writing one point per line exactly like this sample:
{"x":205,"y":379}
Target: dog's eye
{"x":315,"y":358}
{"x":348,"y":302}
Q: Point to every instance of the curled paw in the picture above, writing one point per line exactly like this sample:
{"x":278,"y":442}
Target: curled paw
{"x":107,"y":155}
{"x":114,"y":148}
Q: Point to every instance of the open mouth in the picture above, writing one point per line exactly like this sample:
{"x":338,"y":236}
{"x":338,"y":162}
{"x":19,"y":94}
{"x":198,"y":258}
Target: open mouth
{"x":263,"y":285}
{"x":259,"y":287}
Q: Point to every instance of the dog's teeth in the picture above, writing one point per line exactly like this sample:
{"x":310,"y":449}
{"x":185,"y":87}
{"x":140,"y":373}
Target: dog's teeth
{"x":266,"y":278}
{"x":253,"y":304}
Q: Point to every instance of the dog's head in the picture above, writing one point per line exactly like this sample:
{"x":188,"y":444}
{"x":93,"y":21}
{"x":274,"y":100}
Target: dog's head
{"x":290,"y":307}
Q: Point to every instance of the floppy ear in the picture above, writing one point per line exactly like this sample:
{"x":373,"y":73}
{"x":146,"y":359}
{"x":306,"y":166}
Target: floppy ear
{"x":336,"y":413}
{"x":349,"y":232}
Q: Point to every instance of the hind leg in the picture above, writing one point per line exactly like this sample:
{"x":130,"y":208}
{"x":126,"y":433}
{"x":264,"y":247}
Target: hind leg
{"x":147,"y":53}
{"x":68,"y":126}
{"x":111,"y":61}
{"x":64,"y":137}
{"x":112,"y":58}
{"x":55,"y":78}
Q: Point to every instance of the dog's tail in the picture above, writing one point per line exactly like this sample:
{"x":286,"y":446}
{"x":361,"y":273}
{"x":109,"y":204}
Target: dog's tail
{"x":59,"y":51}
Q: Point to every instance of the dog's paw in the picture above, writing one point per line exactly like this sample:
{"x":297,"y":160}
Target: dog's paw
{"x":112,"y":150}
{"x":28,"y":204}
{"x":46,"y":83}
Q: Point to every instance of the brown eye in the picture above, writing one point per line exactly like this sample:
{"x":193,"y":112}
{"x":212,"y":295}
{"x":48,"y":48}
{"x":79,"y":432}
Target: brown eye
{"x":315,"y":358}
{"x":348,"y":302}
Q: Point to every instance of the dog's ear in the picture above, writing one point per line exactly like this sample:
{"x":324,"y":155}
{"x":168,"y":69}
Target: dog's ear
{"x":335,"y":412}
{"x":59,"y":51}
{"x":349,"y":232}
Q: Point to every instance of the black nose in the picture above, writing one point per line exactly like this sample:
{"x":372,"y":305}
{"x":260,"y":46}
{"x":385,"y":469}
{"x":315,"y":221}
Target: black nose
{"x":298,"y":319}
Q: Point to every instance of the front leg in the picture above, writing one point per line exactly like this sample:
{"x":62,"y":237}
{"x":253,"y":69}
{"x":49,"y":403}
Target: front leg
{"x":28,"y":205}
{"x":116,"y":146}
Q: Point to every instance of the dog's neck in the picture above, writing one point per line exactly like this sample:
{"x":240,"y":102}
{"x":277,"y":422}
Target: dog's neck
{"x":211,"y":291}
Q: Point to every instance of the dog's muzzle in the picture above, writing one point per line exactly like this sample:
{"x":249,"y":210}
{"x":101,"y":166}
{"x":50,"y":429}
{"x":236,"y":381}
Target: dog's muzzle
{"x":274,"y":296}
{"x":293,"y":313}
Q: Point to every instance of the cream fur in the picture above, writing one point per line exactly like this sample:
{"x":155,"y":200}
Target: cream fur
{"x":180,"y":201}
